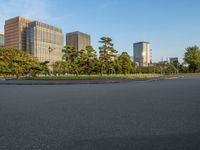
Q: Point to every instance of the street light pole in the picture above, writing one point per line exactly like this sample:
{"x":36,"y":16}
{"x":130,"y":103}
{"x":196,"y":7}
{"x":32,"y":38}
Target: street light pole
{"x":50,"y":50}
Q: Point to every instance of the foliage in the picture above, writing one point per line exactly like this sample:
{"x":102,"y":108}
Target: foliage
{"x":192,"y":57}
{"x":59,"y":68}
{"x":88,"y":60}
{"x":150,"y":69}
{"x":183,"y":68}
{"x":170,"y":69}
{"x":107,"y":56}
{"x":18,"y":63}
{"x":124,"y":63}
{"x":14,"y":62}
{"x":72,"y":60}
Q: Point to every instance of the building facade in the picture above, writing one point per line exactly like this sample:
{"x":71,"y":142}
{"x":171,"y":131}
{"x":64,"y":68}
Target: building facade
{"x":44,"y":42}
{"x":142,"y":53}
{"x":173,"y":60}
{"x":15,"y":32}
{"x":78,"y":40}
{"x":1,"y":40}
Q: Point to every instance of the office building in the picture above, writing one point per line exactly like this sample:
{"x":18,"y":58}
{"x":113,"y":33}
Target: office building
{"x":44,"y":42}
{"x":15,"y":32}
{"x":173,"y":60}
{"x":78,"y":40}
{"x":142,"y":53}
{"x":1,"y":40}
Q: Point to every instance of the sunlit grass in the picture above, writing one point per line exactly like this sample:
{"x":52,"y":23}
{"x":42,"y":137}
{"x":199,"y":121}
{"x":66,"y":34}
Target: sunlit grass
{"x":97,"y":77}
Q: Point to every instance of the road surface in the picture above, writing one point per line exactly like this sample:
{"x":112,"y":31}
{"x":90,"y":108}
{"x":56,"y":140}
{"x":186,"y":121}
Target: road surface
{"x":143,"y":115}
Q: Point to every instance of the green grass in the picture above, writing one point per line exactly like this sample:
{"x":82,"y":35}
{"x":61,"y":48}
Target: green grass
{"x":107,"y":77}
{"x":97,"y":77}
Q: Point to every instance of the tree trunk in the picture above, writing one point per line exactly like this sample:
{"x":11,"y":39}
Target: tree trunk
{"x":101,"y":71}
{"x":17,"y":76}
{"x":77,"y":74}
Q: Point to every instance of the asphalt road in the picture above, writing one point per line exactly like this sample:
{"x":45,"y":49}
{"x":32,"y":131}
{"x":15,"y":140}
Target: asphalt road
{"x":144,"y":115}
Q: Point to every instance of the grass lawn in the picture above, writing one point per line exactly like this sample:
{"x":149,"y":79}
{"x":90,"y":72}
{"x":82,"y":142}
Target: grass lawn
{"x":97,"y":77}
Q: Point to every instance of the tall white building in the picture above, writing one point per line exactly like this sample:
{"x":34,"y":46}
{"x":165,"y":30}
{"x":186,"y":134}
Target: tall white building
{"x":1,"y":40}
{"x":142,"y":53}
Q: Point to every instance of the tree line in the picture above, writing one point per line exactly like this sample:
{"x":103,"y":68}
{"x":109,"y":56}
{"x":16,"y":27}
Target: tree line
{"x":86,"y":61}
{"x":14,"y":62}
{"x":109,"y":62}
{"x":18,"y":63}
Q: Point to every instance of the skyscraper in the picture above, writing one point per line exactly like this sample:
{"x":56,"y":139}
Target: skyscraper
{"x":78,"y":39}
{"x":1,"y":40}
{"x":15,"y":32}
{"x":142,"y":53}
{"x":45,"y":42}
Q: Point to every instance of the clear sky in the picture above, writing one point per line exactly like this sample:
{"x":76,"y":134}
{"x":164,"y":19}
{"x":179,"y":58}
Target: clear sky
{"x":169,"y":25}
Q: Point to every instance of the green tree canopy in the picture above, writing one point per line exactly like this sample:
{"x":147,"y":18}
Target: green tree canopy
{"x":107,"y":55}
{"x":71,"y":57}
{"x":125,"y":63}
{"x":170,"y":69}
{"x":88,"y":60}
{"x":17,"y":62}
{"x":192,"y":57}
{"x":70,"y":54}
{"x":59,"y":68}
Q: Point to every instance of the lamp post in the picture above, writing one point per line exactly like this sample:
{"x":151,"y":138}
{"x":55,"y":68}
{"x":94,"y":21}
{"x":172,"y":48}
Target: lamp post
{"x":50,"y":50}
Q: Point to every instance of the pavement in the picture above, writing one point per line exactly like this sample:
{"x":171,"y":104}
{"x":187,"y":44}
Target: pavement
{"x":131,"y":115}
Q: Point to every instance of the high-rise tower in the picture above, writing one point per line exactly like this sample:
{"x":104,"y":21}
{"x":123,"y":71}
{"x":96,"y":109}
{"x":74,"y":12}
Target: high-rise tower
{"x":142,"y":53}
{"x":15,"y":32}
{"x":78,"y":40}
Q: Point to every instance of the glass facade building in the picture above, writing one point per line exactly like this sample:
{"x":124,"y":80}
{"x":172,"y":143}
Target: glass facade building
{"x":44,"y":42}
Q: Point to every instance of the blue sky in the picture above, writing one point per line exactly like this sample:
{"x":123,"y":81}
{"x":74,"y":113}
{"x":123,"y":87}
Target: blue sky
{"x":169,"y":25}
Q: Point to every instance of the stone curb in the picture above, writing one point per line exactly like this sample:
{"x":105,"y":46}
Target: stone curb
{"x":79,"y":82}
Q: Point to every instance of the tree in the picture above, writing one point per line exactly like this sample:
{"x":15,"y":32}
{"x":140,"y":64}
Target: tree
{"x":184,"y":68}
{"x":192,"y":57}
{"x":59,"y":67}
{"x":170,"y":69}
{"x":6,"y":56}
{"x":44,"y":67}
{"x":88,"y":60}
{"x":125,"y":63}
{"x":70,"y":54}
{"x":107,"y":55}
{"x":72,"y":60}
{"x":16,"y":62}
{"x":118,"y":67}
